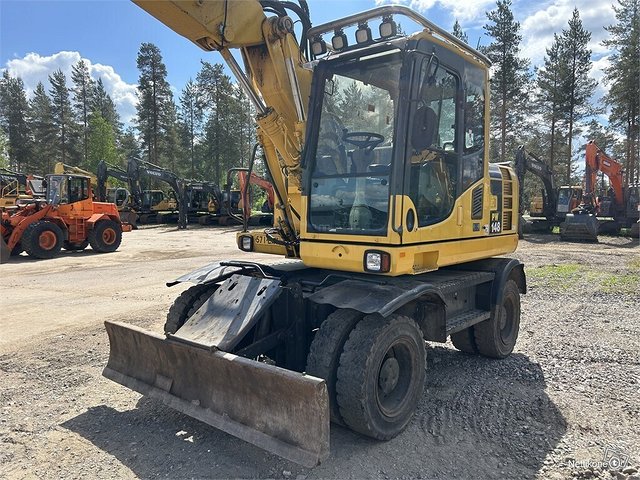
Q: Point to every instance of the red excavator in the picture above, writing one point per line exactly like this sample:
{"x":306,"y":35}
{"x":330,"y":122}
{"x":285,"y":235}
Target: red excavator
{"x":619,"y":205}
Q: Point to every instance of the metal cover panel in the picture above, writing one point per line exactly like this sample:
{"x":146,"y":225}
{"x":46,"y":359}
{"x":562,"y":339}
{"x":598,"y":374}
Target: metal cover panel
{"x":231,"y":311}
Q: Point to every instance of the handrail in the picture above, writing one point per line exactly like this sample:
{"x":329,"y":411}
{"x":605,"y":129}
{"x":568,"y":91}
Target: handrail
{"x":391,"y":10}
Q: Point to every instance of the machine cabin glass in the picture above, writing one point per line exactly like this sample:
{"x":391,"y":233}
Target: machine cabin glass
{"x":62,"y":189}
{"x":351,"y":165}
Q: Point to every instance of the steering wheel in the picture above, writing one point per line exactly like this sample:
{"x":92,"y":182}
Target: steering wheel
{"x":368,"y":140}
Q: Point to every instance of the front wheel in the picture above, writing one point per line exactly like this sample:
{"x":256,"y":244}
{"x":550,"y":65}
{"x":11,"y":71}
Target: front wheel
{"x":42,"y":239}
{"x":105,"y":236}
{"x":381,"y":375}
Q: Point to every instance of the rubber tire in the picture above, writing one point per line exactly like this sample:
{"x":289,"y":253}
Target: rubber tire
{"x":487,"y":334}
{"x":95,"y":236}
{"x":326,"y":349}
{"x":360,"y":364}
{"x":465,"y":341}
{"x":30,"y":239}
{"x":75,"y":247}
{"x":17,"y":249}
{"x":186,"y":305}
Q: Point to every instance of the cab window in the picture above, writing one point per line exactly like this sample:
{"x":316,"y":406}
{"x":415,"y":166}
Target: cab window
{"x":433,"y":144}
{"x":78,"y":189}
{"x":473,"y":156}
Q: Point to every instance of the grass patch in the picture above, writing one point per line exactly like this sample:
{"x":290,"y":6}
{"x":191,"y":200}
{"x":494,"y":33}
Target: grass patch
{"x":628,"y":283}
{"x":573,"y":277}
{"x":634,"y":263}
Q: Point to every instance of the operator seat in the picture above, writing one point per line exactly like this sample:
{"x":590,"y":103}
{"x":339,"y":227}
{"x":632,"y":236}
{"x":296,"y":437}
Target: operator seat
{"x":423,"y":130}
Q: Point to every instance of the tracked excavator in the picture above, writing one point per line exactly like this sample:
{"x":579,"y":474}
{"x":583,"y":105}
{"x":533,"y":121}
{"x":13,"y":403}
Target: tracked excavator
{"x":387,"y":209}
{"x":121,"y":197}
{"x":151,"y":203}
{"x":620,"y":204}
{"x":550,"y":209}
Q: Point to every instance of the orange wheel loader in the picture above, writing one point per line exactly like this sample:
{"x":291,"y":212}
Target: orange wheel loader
{"x":67,"y":218}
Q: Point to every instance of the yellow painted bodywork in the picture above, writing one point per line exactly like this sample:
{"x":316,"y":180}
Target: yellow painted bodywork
{"x":265,"y":48}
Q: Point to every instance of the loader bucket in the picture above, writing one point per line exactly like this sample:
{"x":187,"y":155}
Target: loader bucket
{"x":281,"y":411}
{"x":579,"y":228}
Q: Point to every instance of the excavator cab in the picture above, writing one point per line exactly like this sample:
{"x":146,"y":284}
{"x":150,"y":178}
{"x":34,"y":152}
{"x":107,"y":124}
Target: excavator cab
{"x":568,"y":199}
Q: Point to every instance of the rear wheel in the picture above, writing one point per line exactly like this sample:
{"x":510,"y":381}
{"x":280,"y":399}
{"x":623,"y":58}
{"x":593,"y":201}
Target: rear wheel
{"x":465,"y":341}
{"x":186,"y":305}
{"x":326,"y":349}
{"x":381,"y":375}
{"x":497,"y":336}
{"x":105,"y":236}
{"x":42,"y":239}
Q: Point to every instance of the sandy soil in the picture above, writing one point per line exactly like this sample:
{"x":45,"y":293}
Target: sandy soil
{"x":563,"y":403}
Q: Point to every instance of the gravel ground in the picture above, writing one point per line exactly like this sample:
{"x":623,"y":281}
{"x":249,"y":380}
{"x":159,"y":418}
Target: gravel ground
{"x":564,"y":405}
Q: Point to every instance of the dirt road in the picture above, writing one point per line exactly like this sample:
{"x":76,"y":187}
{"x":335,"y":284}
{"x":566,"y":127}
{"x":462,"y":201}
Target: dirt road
{"x":564,"y":403}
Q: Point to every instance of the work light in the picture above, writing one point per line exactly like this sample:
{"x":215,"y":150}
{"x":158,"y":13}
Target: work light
{"x":388,"y":27}
{"x":363,"y":33}
{"x":339,"y":40}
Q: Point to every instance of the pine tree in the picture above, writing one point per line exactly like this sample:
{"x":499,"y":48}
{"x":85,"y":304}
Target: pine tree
{"x":4,"y":150}
{"x":190,"y":116}
{"x":101,"y":142}
{"x":82,"y":100}
{"x":509,"y":84}
{"x":577,"y":86}
{"x":128,"y":146}
{"x":14,"y":112}
{"x":216,"y":89}
{"x":154,"y":94}
{"x":102,"y":103}
{"x":622,"y":77}
{"x":549,"y":96}
{"x":459,"y":33}
{"x":44,"y":131}
{"x":63,"y":118}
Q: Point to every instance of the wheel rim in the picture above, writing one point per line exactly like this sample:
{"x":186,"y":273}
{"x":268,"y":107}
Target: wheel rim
{"x":395,"y":374}
{"x":109,"y":236}
{"x":47,"y":240}
{"x":507,"y":321}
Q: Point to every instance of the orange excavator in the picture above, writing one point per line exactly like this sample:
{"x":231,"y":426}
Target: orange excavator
{"x":620,"y":203}
{"x":68,"y":218}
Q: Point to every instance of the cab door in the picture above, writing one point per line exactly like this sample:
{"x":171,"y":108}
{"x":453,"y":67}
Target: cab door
{"x":433,"y":153}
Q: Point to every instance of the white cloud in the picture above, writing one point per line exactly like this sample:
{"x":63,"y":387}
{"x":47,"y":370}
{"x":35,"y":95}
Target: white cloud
{"x":461,"y":10}
{"x":538,"y":28}
{"x":34,"y":68}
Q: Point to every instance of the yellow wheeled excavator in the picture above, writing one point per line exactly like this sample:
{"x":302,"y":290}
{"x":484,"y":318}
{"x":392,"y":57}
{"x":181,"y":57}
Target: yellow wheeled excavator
{"x":387,"y":206}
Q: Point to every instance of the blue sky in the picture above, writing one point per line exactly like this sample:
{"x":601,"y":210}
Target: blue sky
{"x":36,"y":37}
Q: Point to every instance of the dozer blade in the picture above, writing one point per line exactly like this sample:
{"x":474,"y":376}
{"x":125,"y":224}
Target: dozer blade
{"x":284,"y":412}
{"x":579,"y":228}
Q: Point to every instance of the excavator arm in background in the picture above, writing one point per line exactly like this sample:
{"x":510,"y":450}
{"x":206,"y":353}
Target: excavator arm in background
{"x":526,"y":161}
{"x":136,"y":168}
{"x":598,"y":161}
{"x":104,"y":171}
{"x":62,"y":168}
